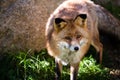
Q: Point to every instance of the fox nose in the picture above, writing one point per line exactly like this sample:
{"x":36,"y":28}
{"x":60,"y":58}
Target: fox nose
{"x":76,"y":48}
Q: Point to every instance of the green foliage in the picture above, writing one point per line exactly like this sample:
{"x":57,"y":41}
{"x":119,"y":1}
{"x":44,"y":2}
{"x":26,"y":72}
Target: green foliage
{"x":40,"y":66}
{"x":26,"y":67}
{"x":92,"y":71}
{"x":115,"y":10}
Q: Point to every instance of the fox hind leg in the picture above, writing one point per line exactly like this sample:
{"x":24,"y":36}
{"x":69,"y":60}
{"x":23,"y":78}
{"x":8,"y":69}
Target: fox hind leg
{"x":99,"y":48}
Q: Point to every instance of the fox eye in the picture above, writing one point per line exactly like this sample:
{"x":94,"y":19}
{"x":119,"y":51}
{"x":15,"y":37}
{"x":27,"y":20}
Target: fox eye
{"x":68,"y":38}
{"x":78,"y":36}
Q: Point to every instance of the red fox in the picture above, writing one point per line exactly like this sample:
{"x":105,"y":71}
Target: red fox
{"x":70,"y":31}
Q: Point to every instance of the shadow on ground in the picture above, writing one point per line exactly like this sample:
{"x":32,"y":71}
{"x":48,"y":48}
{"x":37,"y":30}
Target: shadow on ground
{"x":111,"y":56}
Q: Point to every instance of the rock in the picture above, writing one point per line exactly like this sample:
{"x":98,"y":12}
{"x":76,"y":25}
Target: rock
{"x":22,"y":24}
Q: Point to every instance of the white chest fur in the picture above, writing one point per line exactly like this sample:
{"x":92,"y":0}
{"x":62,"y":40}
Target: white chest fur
{"x":69,"y":57}
{"x":67,"y":53}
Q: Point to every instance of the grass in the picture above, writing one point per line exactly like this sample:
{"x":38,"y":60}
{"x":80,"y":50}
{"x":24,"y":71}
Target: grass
{"x":92,"y":71}
{"x":40,"y":66}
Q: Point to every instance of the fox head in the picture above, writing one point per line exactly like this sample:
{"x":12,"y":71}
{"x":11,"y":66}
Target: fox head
{"x":71,"y":35}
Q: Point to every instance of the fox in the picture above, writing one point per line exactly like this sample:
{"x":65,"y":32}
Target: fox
{"x":70,"y":31}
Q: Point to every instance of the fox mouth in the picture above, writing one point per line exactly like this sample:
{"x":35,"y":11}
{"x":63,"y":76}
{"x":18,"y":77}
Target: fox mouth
{"x":71,"y":52}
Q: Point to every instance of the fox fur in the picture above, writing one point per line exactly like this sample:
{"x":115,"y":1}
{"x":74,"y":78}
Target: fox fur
{"x":72,"y":28}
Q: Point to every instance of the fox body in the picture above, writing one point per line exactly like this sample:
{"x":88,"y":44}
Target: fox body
{"x":70,"y":31}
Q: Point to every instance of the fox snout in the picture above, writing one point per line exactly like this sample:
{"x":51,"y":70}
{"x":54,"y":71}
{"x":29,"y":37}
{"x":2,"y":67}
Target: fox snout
{"x":69,"y":47}
{"x":74,"y":48}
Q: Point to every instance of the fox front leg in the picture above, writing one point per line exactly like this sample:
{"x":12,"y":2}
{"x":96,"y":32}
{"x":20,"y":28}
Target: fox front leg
{"x":74,"y":71}
{"x":58,"y":70}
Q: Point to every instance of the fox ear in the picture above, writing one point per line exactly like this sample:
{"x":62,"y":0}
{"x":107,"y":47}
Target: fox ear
{"x":59,"y":24}
{"x":81,"y":19}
